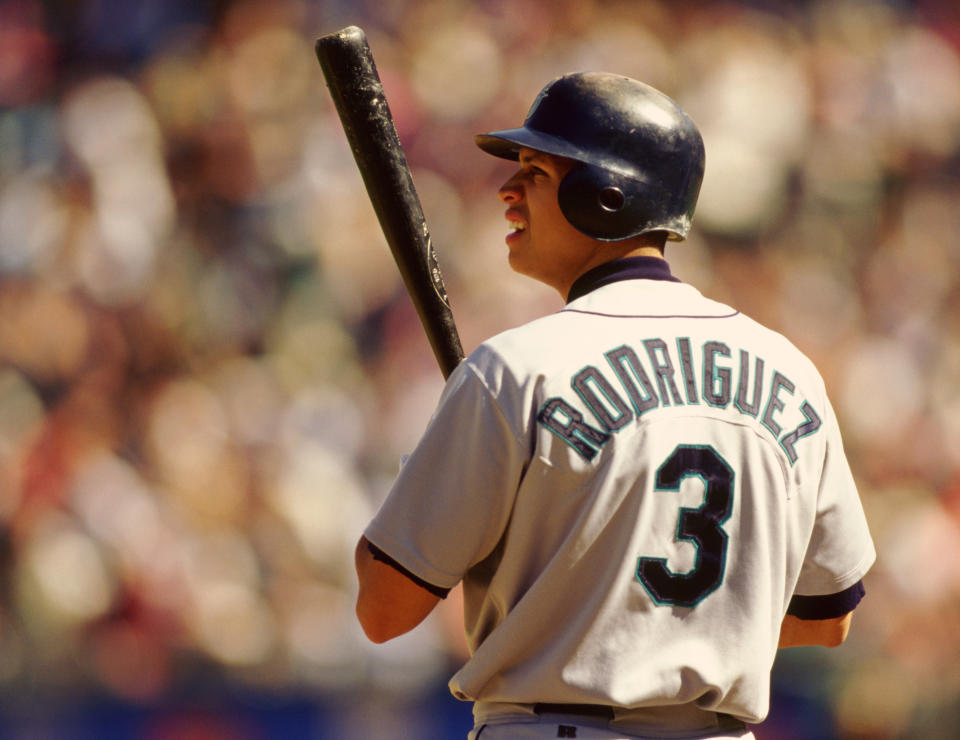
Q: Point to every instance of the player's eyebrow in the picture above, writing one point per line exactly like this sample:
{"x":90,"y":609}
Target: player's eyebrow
{"x":533,"y":157}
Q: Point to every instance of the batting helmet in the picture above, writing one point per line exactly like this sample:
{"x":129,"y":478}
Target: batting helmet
{"x":639,"y":157}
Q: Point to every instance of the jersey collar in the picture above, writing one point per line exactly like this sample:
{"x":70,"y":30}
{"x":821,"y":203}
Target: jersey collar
{"x":625,"y":268}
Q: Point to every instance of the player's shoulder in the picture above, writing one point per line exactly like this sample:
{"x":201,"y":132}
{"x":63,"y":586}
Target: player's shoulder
{"x":778,"y":343}
{"x":514,"y":360}
{"x":496,"y":373}
{"x":529,"y":345}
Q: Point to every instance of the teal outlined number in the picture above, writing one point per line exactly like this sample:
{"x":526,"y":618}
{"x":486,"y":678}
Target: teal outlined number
{"x":702,"y":526}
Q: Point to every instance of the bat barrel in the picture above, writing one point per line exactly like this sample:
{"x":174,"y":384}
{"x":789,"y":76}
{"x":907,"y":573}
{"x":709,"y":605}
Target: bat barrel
{"x":358,"y":96}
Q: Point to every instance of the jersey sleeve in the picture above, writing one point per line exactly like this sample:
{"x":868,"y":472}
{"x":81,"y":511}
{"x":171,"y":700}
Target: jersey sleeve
{"x":450,"y":503}
{"x":840,"y":550}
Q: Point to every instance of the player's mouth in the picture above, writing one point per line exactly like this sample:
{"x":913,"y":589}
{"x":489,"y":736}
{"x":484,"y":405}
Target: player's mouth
{"x":517,"y":226}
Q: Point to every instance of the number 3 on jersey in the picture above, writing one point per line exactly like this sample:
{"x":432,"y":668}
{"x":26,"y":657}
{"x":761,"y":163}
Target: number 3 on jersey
{"x":702,"y":526}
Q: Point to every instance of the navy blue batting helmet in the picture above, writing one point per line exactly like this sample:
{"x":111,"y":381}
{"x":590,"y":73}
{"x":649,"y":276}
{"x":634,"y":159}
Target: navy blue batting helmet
{"x":639,"y":156}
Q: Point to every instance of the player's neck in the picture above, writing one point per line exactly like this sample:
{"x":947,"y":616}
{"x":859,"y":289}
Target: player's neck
{"x":646,"y":245}
{"x":647,"y":250}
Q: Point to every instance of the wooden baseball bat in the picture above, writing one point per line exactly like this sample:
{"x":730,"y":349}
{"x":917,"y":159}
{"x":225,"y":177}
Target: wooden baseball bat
{"x":357,"y":93}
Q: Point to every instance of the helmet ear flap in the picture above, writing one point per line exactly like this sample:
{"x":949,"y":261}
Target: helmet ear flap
{"x":602,"y":204}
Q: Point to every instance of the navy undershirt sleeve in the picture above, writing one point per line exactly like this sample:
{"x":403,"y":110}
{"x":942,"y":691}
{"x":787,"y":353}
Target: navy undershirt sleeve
{"x":829,"y":606}
{"x":380,"y":555}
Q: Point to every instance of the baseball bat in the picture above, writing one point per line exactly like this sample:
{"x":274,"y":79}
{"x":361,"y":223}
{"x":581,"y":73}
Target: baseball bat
{"x":357,"y":94}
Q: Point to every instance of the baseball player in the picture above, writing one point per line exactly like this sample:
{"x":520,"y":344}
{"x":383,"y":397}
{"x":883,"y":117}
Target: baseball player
{"x":643,"y":494}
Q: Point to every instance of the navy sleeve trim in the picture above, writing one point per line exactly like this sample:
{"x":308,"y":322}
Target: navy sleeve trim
{"x":829,"y":606}
{"x":380,"y":555}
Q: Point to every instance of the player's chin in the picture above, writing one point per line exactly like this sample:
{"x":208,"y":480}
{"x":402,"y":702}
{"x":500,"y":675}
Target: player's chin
{"x":522,"y":263}
{"x":517,"y":259}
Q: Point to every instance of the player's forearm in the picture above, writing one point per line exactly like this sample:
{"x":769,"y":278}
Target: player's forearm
{"x":796,"y":632}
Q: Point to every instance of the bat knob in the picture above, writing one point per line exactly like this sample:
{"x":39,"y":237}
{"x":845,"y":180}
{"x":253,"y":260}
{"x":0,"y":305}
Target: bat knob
{"x":351,"y":36}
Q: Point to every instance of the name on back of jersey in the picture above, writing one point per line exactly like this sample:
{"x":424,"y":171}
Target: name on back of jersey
{"x":657,"y":375}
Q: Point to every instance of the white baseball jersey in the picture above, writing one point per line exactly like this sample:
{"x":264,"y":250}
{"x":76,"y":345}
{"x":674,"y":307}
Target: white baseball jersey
{"x":632,"y":490}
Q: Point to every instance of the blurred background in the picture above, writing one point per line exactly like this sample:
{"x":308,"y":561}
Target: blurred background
{"x":209,"y":368}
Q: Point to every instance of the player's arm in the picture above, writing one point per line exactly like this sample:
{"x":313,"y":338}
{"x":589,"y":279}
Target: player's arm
{"x":795,"y":632}
{"x":820,"y":620}
{"x":390,"y":601}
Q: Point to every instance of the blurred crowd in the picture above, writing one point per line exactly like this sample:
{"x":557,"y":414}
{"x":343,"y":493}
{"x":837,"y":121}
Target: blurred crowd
{"x":209,"y":368}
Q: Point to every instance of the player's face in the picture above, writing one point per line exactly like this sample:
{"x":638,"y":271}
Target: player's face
{"x":543,"y":244}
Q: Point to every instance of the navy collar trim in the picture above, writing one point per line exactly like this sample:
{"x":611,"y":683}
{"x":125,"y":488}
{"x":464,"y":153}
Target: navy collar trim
{"x":625,"y":268}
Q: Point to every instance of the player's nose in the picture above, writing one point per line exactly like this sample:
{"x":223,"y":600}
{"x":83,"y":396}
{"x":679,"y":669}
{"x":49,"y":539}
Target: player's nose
{"x":511,"y":191}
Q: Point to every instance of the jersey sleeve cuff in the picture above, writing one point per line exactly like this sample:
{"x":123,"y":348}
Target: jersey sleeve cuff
{"x":380,"y":555}
{"x":829,"y":606}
